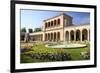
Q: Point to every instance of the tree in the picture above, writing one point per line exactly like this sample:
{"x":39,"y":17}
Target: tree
{"x":23,"y":29}
{"x":37,"y":29}
{"x":30,"y":30}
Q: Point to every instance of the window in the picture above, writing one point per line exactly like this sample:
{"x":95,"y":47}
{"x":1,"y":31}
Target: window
{"x":45,"y":25}
{"x":51,"y":23}
{"x":58,"y":21}
{"x":48,"y":24}
{"x":54,"y":22}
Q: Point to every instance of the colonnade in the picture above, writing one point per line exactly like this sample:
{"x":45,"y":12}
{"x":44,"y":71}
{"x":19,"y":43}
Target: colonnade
{"x":77,"y":35}
{"x":54,"y":36}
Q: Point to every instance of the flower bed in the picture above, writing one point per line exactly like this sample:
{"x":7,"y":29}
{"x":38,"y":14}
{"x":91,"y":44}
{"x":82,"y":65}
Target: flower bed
{"x":48,"y":56}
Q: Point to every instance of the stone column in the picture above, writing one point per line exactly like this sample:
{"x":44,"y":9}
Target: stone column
{"x":53,"y":36}
{"x":50,"y":36}
{"x":69,"y":36}
{"x":43,"y":38}
{"x":39,"y":37}
{"x":47,"y":37}
{"x":74,"y":35}
{"x":80,"y":35}
{"x":56,"y":36}
{"x":65,"y":36}
{"x":88,"y":35}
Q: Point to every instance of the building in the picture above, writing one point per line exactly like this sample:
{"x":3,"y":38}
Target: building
{"x":60,"y":28}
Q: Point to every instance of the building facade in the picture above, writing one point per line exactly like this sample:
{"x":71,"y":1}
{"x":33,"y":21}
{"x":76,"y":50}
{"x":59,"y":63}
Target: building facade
{"x":60,"y":28}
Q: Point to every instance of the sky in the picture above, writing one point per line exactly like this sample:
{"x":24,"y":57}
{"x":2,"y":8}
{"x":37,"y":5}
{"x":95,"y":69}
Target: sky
{"x":34,"y":18}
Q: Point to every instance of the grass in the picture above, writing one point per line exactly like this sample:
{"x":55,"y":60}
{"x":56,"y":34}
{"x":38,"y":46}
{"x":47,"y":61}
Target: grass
{"x":40,"y":48}
{"x":26,"y":59}
{"x":75,"y":53}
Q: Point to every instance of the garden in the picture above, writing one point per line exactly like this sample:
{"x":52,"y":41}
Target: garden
{"x":37,"y":52}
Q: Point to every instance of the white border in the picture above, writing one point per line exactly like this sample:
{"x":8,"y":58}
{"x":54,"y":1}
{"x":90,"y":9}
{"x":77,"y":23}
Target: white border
{"x":51,"y":64}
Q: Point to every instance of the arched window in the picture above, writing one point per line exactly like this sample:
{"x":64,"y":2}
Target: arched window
{"x":77,"y":35}
{"x":58,"y":34}
{"x":46,"y":37}
{"x":51,"y":23}
{"x":84,"y":34}
{"x":48,"y":24}
{"x":67,"y":36}
{"x":72,"y":35}
{"x":45,"y":25}
{"x":58,"y":21}
{"x":54,"y":22}
{"x":54,"y":36}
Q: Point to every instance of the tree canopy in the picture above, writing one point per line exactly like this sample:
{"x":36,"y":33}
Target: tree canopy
{"x":23,"y":29}
{"x":30,"y":30}
{"x":37,"y":29}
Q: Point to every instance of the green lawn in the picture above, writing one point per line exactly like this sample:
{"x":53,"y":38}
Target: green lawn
{"x":40,"y":48}
{"x":75,"y":53}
